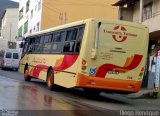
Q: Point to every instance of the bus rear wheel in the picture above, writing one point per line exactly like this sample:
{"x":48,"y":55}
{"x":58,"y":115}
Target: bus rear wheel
{"x":26,"y":75}
{"x":50,"y":80}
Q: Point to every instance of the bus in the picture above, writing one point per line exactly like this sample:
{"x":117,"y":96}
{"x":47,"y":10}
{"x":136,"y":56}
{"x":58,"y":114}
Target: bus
{"x":94,"y":54}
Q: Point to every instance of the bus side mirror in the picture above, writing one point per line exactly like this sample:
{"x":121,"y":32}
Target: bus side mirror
{"x":21,"y":45}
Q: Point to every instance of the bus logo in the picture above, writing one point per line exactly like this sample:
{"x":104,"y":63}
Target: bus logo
{"x":120,"y":35}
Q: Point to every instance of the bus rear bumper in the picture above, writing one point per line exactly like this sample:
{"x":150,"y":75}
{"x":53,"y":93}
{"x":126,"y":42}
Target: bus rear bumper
{"x":108,"y":84}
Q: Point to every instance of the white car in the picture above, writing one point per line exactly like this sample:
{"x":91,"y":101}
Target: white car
{"x":9,"y":58}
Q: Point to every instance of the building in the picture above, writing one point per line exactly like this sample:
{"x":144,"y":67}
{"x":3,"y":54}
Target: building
{"x":146,"y":12}
{"x":61,"y":12}
{"x":9,"y":28}
{"x":38,"y":15}
{"x":29,"y":22}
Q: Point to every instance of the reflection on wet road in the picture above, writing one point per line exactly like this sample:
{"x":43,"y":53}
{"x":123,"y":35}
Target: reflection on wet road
{"x":18,"y":95}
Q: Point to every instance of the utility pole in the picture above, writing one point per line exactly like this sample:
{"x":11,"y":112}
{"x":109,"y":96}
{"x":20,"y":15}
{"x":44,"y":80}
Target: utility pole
{"x":65,"y":18}
{"x":10,"y":27}
{"x":61,"y":18}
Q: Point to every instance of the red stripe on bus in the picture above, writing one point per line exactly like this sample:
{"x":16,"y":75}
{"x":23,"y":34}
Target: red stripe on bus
{"x":102,"y":70}
{"x":67,"y":62}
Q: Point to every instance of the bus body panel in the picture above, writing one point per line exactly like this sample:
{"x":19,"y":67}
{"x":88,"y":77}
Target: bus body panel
{"x":64,"y":66}
{"x":120,"y":57}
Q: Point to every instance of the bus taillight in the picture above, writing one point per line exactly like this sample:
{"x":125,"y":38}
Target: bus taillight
{"x":84,"y":62}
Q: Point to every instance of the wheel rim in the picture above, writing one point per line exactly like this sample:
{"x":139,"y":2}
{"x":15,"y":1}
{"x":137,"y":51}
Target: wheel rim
{"x":26,"y":74}
{"x":49,"y":80}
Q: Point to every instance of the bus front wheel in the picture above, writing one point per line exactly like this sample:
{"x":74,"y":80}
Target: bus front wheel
{"x":50,"y":79}
{"x":26,"y":75}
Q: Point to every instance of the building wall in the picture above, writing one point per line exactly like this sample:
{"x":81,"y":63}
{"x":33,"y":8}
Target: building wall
{"x":59,"y":12}
{"x":25,"y":17}
{"x":128,"y":11}
{"x":34,"y":18}
{"x":156,"y":7}
{"x":9,"y":26}
{"x":153,"y":22}
{"x":136,"y":12}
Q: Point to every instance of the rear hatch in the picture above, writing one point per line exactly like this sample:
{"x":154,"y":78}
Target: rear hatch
{"x":8,"y":59}
{"x":15,"y":60}
{"x":121,"y":52}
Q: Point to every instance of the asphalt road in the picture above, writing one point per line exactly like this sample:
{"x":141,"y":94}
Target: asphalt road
{"x":16,"y":94}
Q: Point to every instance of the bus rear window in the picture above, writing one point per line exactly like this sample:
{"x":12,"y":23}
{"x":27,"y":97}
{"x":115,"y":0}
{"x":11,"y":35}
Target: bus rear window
{"x":15,"y":56}
{"x":8,"y":55}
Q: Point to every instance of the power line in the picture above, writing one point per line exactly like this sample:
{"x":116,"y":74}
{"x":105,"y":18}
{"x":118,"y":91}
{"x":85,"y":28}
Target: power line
{"x":54,"y":7}
{"x":62,"y":16}
{"x":48,"y":18}
{"x":84,"y":4}
{"x":93,"y":2}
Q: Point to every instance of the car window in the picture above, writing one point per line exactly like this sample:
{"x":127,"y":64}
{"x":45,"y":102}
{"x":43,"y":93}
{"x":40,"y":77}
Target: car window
{"x":15,"y":56}
{"x":8,"y":55}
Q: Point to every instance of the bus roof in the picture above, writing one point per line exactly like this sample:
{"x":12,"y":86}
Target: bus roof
{"x":57,"y":28}
{"x":133,"y":24}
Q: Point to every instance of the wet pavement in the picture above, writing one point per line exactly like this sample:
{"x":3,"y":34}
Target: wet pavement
{"x":30,"y":98}
{"x":24,"y":96}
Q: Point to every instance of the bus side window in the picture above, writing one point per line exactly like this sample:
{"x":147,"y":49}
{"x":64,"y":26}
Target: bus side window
{"x":71,"y":34}
{"x":26,"y":46}
{"x":79,"y":39}
{"x":47,"y":43}
{"x":58,"y":42}
{"x":69,"y":46}
{"x":31,"y":46}
{"x":41,"y":43}
{"x":70,"y":40}
{"x":36,"y":45}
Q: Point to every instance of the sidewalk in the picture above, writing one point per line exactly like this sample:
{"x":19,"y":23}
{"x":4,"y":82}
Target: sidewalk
{"x":143,"y":93}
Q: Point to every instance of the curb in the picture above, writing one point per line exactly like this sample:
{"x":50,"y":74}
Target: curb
{"x":151,"y":95}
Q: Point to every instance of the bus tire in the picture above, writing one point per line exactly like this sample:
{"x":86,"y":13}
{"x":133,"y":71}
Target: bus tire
{"x":50,"y":79}
{"x":26,"y":75}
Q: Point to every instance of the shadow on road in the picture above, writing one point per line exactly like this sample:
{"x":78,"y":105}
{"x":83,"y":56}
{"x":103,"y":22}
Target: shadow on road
{"x":9,"y":69}
{"x":80,"y":94}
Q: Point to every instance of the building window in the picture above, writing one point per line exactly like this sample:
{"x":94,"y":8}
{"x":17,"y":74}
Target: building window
{"x":30,"y":31}
{"x":20,"y":31}
{"x":27,"y":6}
{"x":25,"y":27}
{"x":35,"y":7}
{"x":34,"y":28}
{"x":39,"y":5}
{"x":31,"y":14}
{"x":21,"y":14}
{"x":38,"y":24}
{"x":147,"y":11}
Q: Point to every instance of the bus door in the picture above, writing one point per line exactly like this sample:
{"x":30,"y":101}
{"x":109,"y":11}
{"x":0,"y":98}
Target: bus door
{"x":15,"y":59}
